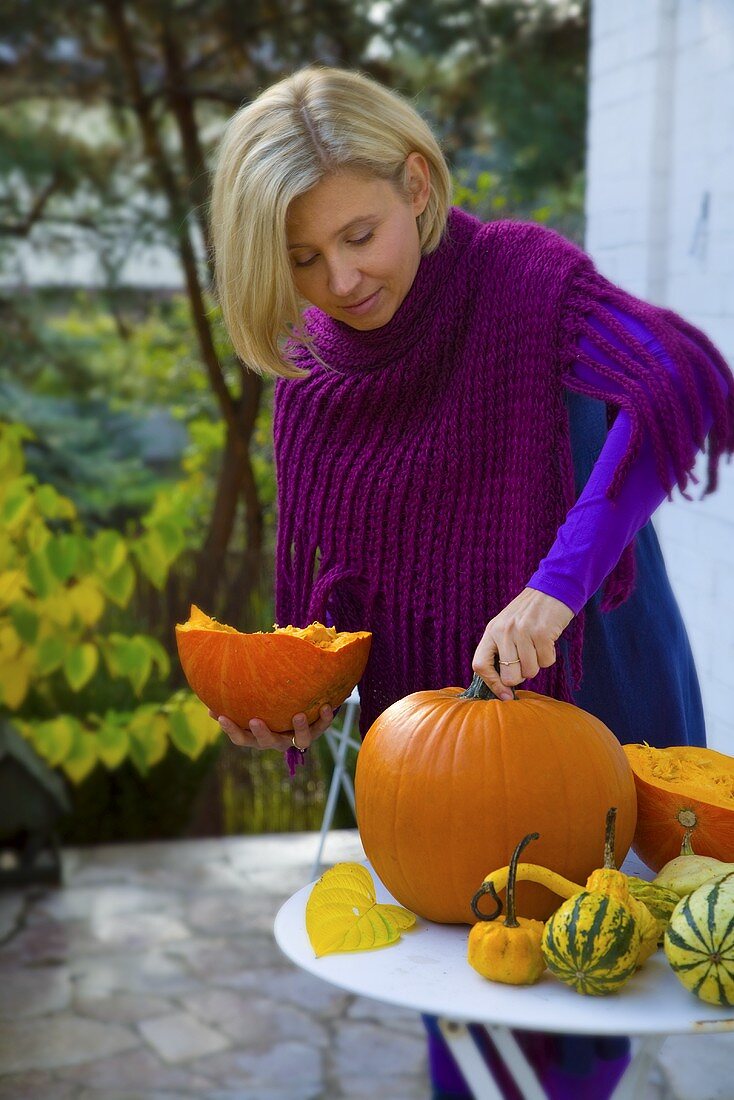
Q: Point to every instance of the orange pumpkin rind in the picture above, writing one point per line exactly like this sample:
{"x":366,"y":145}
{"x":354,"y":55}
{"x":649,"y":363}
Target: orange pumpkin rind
{"x":270,"y":675}
{"x":447,"y":780}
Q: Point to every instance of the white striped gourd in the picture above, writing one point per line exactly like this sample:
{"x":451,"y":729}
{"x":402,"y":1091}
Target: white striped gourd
{"x":699,"y":941}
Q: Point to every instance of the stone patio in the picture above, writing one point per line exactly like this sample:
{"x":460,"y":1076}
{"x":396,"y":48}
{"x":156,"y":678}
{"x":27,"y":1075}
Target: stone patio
{"x":154,"y":974}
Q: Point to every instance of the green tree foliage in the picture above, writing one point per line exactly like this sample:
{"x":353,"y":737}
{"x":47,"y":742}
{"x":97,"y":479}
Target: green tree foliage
{"x":505,"y":82}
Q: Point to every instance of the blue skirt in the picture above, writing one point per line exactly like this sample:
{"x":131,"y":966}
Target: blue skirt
{"x":640,"y":680}
{"x":639,"y":676}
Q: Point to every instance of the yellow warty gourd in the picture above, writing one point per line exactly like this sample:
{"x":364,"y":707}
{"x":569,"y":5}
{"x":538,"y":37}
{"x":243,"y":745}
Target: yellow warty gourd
{"x":507,"y":950}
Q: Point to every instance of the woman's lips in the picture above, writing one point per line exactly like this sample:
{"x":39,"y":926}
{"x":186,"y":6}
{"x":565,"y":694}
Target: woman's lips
{"x":366,"y":305}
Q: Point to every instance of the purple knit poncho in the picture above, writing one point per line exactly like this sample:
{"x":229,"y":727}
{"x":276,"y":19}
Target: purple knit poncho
{"x":425,"y":474}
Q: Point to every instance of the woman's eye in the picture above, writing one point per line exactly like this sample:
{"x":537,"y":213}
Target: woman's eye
{"x":360,"y":240}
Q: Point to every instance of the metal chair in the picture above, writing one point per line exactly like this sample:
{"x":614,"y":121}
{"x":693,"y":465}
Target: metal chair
{"x":339,"y":741}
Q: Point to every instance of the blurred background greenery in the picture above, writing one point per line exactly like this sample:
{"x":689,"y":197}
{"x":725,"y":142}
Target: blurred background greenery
{"x":136,"y":472}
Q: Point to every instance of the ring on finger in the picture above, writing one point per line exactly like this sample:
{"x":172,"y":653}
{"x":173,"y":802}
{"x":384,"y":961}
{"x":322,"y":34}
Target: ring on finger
{"x":297,"y":747}
{"x":515,"y":662}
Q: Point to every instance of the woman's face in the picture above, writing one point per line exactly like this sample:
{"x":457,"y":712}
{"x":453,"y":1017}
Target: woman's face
{"x":353,"y":241}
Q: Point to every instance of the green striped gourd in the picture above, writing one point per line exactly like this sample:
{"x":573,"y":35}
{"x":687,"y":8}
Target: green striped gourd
{"x":699,"y":941}
{"x":592,"y":943}
{"x":657,"y":899}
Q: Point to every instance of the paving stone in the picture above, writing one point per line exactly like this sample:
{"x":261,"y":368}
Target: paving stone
{"x":36,"y":1086}
{"x":209,"y":958}
{"x":217,"y":876}
{"x":296,"y":850}
{"x":655,"y":1087}
{"x":287,"y":983}
{"x":109,"y":858}
{"x":137,"y":929}
{"x":230,"y":914}
{"x":180,"y":1037}
{"x":47,"y":944}
{"x":138,"y":1069}
{"x":34,"y":992}
{"x":11,"y":911}
{"x":294,"y":1066}
{"x":256,"y":1021}
{"x":698,"y":1067}
{"x":297,"y":1091}
{"x":366,"y":1051}
{"x":363,"y":1008}
{"x":60,"y":1040}
{"x":148,"y":972}
{"x":277,"y":883}
{"x":268,"y":851}
{"x":98,"y":902}
{"x":133,"y":1094}
{"x":123,"y":1008}
{"x":396,"y":1088}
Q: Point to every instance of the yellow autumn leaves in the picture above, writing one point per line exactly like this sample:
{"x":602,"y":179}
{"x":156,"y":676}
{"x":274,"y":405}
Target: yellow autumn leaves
{"x":343,"y":914}
{"x":56,"y":582}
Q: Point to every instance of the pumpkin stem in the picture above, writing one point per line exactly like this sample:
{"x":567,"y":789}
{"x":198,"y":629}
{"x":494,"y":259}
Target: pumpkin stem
{"x":689,"y":821}
{"x":486,"y":888}
{"x":479,"y":690}
{"x":609,"y":860}
{"x":686,"y":848}
{"x":511,"y":920}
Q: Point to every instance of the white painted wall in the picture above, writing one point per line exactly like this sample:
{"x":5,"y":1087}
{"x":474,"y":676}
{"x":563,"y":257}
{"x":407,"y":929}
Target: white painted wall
{"x":660,"y":222}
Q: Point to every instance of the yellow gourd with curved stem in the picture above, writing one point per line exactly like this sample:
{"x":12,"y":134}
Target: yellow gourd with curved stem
{"x":506,"y":950}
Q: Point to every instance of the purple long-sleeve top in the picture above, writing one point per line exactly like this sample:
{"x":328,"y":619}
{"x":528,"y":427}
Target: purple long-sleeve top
{"x":596,"y":529}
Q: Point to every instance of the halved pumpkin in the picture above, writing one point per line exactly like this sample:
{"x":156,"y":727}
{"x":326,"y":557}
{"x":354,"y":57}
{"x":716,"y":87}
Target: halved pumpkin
{"x":270,"y":675}
{"x":682,"y":789}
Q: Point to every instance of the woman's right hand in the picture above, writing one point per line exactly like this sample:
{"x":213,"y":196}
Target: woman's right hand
{"x":258,"y":736}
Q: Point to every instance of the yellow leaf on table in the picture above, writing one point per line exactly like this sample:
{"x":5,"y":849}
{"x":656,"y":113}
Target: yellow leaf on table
{"x":343,"y":914}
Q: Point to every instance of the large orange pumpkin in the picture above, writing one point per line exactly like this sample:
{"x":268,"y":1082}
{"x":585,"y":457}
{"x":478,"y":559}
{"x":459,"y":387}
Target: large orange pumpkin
{"x":448,"y":780}
{"x":680,"y":789}
{"x":271,"y":676}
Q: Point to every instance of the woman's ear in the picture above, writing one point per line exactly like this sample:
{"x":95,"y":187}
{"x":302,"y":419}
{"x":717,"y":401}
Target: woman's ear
{"x":419,"y":181}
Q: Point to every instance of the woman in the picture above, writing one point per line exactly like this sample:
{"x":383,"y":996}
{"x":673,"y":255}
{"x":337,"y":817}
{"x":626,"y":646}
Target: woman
{"x":445,"y":474}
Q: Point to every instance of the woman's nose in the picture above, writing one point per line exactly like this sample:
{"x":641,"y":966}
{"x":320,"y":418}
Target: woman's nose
{"x":343,"y":279}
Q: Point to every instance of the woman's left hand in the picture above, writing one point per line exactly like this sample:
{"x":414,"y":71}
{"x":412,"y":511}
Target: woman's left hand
{"x":523,"y":634}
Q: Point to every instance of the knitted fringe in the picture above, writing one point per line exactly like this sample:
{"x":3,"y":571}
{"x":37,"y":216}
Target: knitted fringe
{"x":650,"y":398}
{"x":653,"y":403}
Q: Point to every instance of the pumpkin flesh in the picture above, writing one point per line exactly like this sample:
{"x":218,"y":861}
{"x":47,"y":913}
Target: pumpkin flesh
{"x":272,"y":675}
{"x":679,"y":790}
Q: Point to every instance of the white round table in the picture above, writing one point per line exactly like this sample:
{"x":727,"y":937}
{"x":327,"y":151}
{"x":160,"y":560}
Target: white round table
{"x":427,"y":971}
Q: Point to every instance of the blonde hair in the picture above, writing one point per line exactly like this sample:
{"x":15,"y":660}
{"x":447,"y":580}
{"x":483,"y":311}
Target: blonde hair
{"x":318,"y":121}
